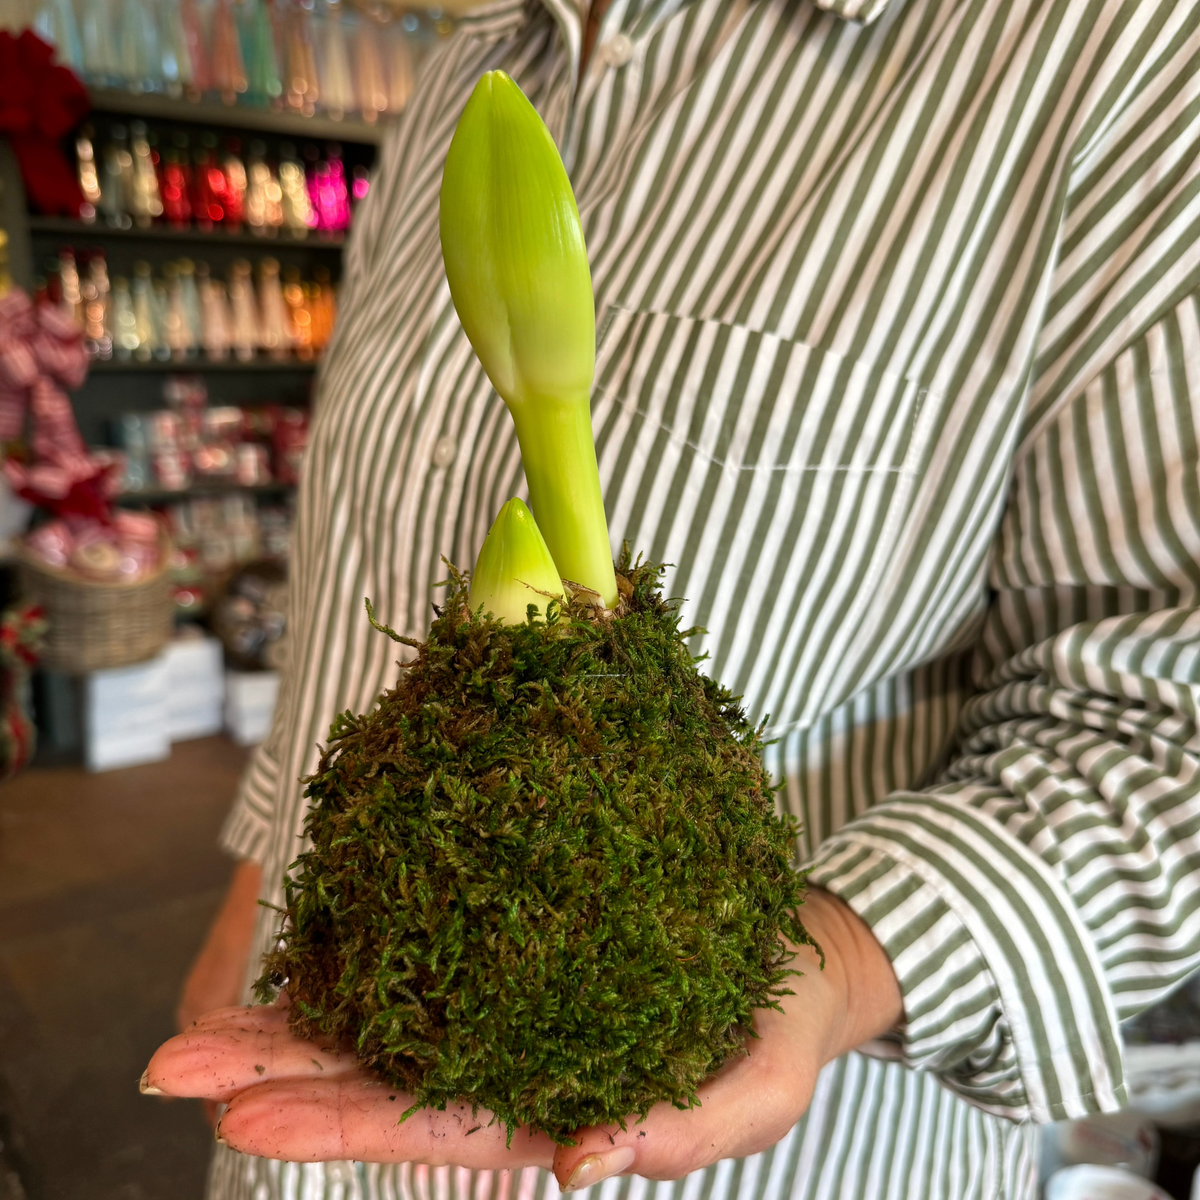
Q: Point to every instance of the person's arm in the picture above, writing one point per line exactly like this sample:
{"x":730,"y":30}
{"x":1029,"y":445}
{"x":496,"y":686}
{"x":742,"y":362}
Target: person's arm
{"x":294,"y":1100}
{"x":218,"y":974}
{"x":1049,"y":886}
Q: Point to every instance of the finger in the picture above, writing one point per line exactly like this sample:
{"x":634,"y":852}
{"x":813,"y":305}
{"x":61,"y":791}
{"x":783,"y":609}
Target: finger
{"x":746,"y":1107}
{"x":233,"y":1048}
{"x":321,"y":1119}
{"x":268,"y":1016}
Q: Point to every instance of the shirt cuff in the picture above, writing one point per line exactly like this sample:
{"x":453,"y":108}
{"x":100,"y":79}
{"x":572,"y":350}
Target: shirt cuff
{"x":1004,"y":994}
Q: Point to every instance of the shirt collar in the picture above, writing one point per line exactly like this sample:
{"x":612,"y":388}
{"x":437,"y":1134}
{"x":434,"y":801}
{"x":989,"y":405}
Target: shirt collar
{"x":502,"y":18}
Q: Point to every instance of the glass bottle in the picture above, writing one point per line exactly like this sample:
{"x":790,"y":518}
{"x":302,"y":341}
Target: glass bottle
{"x":273,"y":313}
{"x":323,"y":306}
{"x":71,"y":298}
{"x":190,"y":298}
{"x":264,"y":86}
{"x":138,"y":49}
{"x":178,"y":76}
{"x":214,"y":311}
{"x":174,"y":182}
{"x":228,"y":67}
{"x":116,"y":184}
{"x":54,"y":22}
{"x":235,"y":184}
{"x":196,"y":44}
{"x":328,"y":194}
{"x":264,"y":207}
{"x":161,"y":306}
{"x":177,"y":327}
{"x":124,"y":320}
{"x":145,"y":333}
{"x":368,"y":67}
{"x":94,"y":291}
{"x":300,"y":322}
{"x":244,"y":328}
{"x":145,"y":204}
{"x":297,"y":210}
{"x":301,"y":90}
{"x":208,"y":184}
{"x":101,"y":63}
{"x":336,"y":81}
{"x":89,"y":175}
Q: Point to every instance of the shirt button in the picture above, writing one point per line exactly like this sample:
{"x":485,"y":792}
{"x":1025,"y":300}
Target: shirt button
{"x":618,"y":50}
{"x":444,"y":451}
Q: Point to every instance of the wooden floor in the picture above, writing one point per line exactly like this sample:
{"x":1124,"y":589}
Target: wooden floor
{"x":107,"y":883}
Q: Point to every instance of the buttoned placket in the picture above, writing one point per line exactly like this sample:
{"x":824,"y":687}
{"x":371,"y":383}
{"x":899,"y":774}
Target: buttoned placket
{"x":614,"y":50}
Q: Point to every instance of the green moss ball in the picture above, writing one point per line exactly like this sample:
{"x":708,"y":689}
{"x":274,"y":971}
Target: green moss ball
{"x":546,"y":874}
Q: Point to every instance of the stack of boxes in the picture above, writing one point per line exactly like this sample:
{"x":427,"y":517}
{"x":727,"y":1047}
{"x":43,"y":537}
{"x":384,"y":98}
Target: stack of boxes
{"x":249,"y":704}
{"x":133,"y":714}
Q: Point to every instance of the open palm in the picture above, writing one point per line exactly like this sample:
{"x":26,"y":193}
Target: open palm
{"x":301,"y":1101}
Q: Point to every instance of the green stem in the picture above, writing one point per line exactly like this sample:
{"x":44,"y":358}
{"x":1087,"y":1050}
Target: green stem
{"x":564,"y":490}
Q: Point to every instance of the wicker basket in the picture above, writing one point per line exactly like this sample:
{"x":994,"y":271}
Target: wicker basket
{"x":95,"y":625}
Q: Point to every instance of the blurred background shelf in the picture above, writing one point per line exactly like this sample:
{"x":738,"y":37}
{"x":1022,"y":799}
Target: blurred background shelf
{"x":197,"y":366}
{"x":156,"y":107}
{"x":84,"y":232}
{"x":212,"y":488}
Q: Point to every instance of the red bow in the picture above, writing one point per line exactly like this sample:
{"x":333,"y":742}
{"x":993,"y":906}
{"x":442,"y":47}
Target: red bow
{"x":41,"y":102}
{"x":41,"y":351}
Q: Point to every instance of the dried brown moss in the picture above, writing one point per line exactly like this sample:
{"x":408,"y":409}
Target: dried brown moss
{"x":546,"y":876}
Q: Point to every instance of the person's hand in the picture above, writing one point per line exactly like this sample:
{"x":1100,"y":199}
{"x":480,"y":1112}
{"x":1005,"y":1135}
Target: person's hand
{"x":295,"y":1100}
{"x":219,"y":969}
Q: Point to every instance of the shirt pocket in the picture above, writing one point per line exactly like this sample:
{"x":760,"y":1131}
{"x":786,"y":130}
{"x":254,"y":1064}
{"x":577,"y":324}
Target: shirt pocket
{"x":773,"y":477}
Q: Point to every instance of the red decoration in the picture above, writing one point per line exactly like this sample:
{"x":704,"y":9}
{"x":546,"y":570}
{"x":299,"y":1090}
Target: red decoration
{"x":209,"y":186}
{"x":41,"y":102}
{"x":41,"y":352}
{"x":21,"y":633}
{"x":174,"y":180}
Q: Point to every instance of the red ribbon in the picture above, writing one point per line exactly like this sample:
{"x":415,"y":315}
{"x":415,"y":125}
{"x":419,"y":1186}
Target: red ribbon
{"x":41,"y":352}
{"x":41,"y":102}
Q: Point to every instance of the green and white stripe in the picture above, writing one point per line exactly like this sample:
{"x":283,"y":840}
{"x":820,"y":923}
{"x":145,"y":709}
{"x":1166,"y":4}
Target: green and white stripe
{"x":899,"y":365}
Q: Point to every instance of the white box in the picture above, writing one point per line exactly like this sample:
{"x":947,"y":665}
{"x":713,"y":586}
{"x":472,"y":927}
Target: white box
{"x":250,"y":704}
{"x":196,"y":682}
{"x":125,"y":718}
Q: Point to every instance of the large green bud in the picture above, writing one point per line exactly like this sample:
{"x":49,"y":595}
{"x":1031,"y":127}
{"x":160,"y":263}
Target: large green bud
{"x":518,"y":273}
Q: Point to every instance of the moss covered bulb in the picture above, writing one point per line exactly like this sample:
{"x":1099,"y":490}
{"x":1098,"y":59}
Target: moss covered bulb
{"x":545,"y":876}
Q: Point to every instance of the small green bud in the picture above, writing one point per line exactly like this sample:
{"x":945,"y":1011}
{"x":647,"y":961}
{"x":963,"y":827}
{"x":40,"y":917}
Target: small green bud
{"x":514,"y":568}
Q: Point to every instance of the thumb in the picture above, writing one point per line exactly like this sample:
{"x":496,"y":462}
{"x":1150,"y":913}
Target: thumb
{"x":747,"y":1106}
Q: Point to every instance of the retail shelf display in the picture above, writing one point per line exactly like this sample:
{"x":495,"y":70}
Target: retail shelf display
{"x":150,"y":106}
{"x":93,"y":231}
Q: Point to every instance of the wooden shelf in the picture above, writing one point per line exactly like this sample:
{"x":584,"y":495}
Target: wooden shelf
{"x":155,"y":107}
{"x":210,"y":488}
{"x":195,"y":366}
{"x":81,"y":231}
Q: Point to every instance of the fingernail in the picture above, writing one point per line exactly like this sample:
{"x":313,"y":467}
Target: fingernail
{"x":217,"y":1135}
{"x":598,"y":1167}
{"x":146,"y":1088}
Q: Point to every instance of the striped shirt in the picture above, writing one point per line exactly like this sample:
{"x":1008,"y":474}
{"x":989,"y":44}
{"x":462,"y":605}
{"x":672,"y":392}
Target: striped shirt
{"x":898,"y":363}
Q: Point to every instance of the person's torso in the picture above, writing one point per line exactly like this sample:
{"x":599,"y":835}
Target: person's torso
{"x":822,"y":255}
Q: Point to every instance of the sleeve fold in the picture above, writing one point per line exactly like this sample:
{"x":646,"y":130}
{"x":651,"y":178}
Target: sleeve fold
{"x":246,"y":832}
